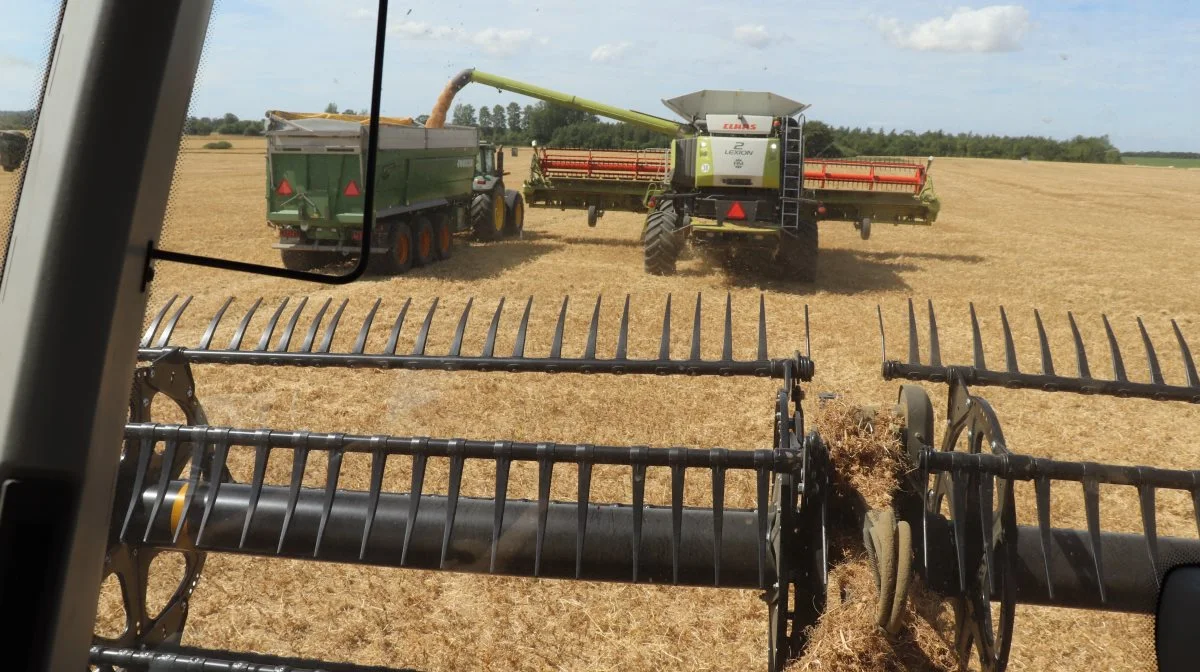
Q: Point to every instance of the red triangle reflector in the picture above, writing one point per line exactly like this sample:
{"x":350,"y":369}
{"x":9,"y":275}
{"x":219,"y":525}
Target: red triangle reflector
{"x":736,"y":212}
{"x":284,"y":189}
{"x":351,"y":189}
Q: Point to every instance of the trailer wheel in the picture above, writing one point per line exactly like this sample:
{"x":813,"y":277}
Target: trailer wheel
{"x":399,"y":256}
{"x":797,"y":255}
{"x":488,"y":214}
{"x":442,"y":237}
{"x":514,"y":213}
{"x":423,"y":242}
{"x":660,"y":241}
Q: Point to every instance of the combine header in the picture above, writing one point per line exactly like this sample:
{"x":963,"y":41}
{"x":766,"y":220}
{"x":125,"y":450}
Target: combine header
{"x":596,"y":179}
{"x":175,"y":492}
{"x":958,"y":510}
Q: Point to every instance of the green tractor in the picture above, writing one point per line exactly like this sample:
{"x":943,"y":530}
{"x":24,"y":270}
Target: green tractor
{"x":496,"y":212}
{"x":13,"y":145}
{"x":735,"y":177}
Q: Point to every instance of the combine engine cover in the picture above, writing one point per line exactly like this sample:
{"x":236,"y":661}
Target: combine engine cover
{"x":738,"y":162}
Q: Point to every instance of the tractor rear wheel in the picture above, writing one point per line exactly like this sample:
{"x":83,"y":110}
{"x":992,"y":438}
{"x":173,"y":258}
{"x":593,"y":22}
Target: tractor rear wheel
{"x":488,"y":214}
{"x":514,"y":213}
{"x":423,"y":242}
{"x":661,"y":242}
{"x":797,"y":255}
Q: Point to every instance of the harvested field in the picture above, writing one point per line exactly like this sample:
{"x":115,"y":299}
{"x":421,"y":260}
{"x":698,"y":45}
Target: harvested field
{"x":1057,"y":237}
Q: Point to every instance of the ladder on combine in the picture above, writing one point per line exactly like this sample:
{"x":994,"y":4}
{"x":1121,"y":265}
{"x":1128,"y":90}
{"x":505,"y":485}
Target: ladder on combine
{"x":793,"y":174}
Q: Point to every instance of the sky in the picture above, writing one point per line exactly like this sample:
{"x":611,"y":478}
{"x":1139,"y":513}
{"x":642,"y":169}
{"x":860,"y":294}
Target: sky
{"x":1058,"y":68}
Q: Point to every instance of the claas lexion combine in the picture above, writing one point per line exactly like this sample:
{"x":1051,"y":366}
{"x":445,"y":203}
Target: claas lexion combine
{"x":953,"y":522}
{"x":734,"y":176}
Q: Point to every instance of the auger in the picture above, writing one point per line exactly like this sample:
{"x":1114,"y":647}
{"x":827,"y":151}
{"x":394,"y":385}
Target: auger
{"x":957,"y":502}
{"x":175,"y":491}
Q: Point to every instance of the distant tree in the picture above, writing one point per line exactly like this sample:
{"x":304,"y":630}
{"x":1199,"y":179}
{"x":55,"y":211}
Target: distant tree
{"x":331,"y":108}
{"x":485,"y":120}
{"x":498,"y":121}
{"x":463,"y":115}
{"x":525,"y":116}
{"x":348,"y":111}
{"x":229,"y":118}
{"x":514,"y":117}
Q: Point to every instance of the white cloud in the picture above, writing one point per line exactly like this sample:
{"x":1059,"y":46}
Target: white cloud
{"x":996,"y":28}
{"x":608,"y":53}
{"x":362,"y":13}
{"x":494,"y":41}
{"x":751,"y":35}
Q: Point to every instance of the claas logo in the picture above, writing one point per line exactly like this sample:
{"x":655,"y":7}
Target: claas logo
{"x":740,"y":127}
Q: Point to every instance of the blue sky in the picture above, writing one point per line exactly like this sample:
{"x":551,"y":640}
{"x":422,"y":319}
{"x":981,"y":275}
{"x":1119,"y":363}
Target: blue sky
{"x":1130,"y":70}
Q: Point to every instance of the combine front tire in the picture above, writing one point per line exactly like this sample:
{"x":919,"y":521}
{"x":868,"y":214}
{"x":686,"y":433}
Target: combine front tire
{"x":661,"y":242}
{"x":423,"y":242}
{"x":514,"y":213}
{"x":488,"y":215}
{"x":797,"y":256}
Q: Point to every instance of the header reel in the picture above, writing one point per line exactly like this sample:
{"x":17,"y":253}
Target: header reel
{"x":959,"y":499}
{"x":778,"y":546}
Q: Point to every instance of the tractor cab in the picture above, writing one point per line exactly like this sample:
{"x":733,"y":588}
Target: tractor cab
{"x":489,"y":166}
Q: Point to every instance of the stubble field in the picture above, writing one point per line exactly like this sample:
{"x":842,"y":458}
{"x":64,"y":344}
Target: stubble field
{"x":1058,"y":237}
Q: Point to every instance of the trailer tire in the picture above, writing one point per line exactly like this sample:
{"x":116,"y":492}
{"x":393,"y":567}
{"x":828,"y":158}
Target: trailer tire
{"x":443,"y":238}
{"x":488,"y":214}
{"x":797,"y":255}
{"x":399,"y":255}
{"x":423,"y":242}
{"x":660,"y":241}
{"x":514,"y":213}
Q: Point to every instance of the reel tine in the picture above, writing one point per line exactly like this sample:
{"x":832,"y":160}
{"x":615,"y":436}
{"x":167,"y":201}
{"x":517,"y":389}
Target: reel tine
{"x":309,"y":337}
{"x":360,"y":343}
{"x":1044,"y":343}
{"x":164,"y":478}
{"x":262,"y":452}
{"x":727,"y":340}
{"x":545,"y":476}
{"x":623,"y":333}
{"x":423,"y":335}
{"x":677,"y":467}
{"x":1196,"y":505}
{"x":882,"y":334}
{"x":639,"y":506}
{"x":1156,"y":376}
{"x":1080,"y":352}
{"x":378,"y":464}
{"x":327,"y":339}
{"x":1091,"y":503}
{"x":1146,"y":500}
{"x":456,"y":344}
{"x":170,"y":328}
{"x":556,"y":345}
{"x":1189,"y":366}
{"x":503,"y":460}
{"x":394,"y":337}
{"x":269,"y":330}
{"x":456,"y":470}
{"x":762,"y":327}
{"x":414,"y":493}
{"x":332,"y":474}
{"x":1042,"y":488}
{"x":139,"y":480}
{"x":1118,"y":364}
{"x":585,"y":493}
{"x":935,"y":348}
{"x":695,"y":356}
{"x":976,"y":340}
{"x":206,"y":339}
{"x":299,"y":461}
{"x":764,"y":485}
{"x":985,"y":520}
{"x":220,"y":457}
{"x":285,"y":339}
{"x":158,"y":318}
{"x":235,"y":343}
{"x":489,"y":345}
{"x":914,"y":348}
{"x":958,"y":488}
{"x":718,"y":486}
{"x":522,"y":329}
{"x":664,"y":347}
{"x":1010,"y":350}
{"x":590,"y":351}
{"x":807,"y":335}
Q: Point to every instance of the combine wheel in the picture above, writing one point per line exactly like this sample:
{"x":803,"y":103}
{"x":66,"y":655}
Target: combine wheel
{"x":442,"y":237}
{"x":661,"y":241}
{"x":797,"y":255}
{"x":514,"y":213}
{"x":399,"y":256}
{"x":488,"y":215}
{"x":423,"y":242}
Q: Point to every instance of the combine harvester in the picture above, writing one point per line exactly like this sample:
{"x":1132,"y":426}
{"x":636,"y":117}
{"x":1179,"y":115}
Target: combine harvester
{"x":733,"y":177}
{"x":434,"y":183}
